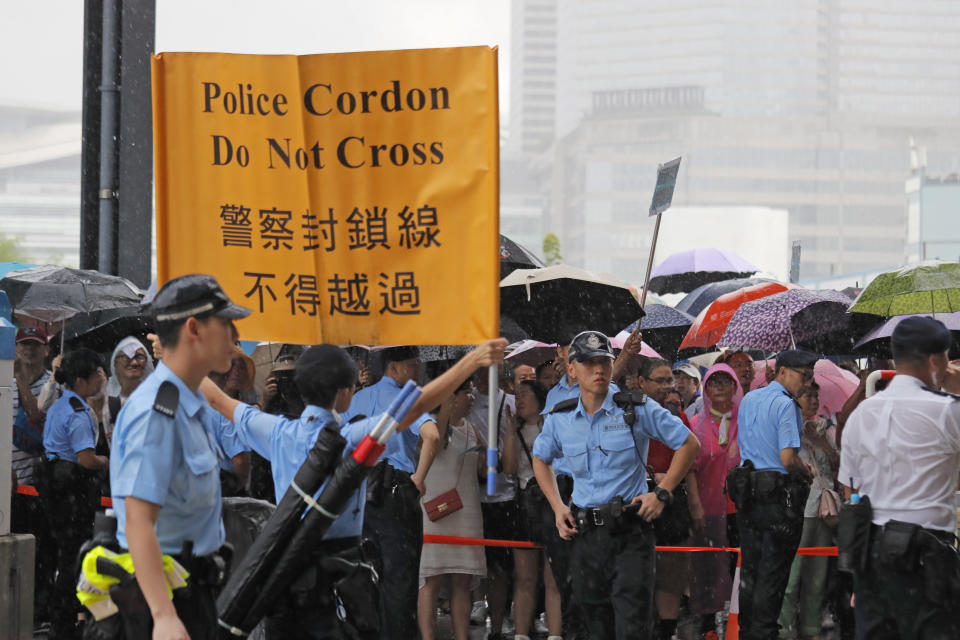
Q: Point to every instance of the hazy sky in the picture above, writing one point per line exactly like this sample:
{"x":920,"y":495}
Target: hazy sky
{"x":41,"y":43}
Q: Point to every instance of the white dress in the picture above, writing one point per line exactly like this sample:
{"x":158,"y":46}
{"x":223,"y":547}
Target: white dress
{"x":455,"y":466}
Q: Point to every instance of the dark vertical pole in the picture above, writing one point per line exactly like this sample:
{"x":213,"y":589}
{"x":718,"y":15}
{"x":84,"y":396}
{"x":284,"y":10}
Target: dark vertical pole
{"x":90,"y":137}
{"x":109,"y":136}
{"x":138,"y":27}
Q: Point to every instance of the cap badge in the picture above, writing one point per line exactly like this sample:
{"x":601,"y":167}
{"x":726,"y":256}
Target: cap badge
{"x":593,"y":342}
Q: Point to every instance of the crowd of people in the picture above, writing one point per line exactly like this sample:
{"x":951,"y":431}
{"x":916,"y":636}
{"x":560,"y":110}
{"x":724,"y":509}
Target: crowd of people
{"x":580,"y":431}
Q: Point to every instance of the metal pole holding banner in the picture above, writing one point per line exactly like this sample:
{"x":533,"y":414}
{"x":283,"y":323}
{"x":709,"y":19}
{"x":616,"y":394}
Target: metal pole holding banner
{"x":653,"y":250}
{"x":492,"y":434}
{"x":662,"y":198}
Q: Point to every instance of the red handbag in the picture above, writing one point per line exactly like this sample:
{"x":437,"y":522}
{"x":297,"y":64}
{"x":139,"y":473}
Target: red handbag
{"x":443,"y":505}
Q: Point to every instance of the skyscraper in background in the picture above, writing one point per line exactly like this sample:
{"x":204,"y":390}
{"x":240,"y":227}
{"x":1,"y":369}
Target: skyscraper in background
{"x":533,"y":77}
{"x":807,"y":106}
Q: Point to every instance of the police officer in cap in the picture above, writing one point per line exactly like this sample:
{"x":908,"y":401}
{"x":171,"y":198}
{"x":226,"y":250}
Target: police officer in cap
{"x":326,"y":375}
{"x":771,"y":507}
{"x":394,"y":519}
{"x":164,"y":472}
{"x":901,"y":448}
{"x":604,"y":437}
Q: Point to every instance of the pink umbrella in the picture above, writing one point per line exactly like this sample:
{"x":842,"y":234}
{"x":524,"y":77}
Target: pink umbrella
{"x":836,"y":384}
{"x":620,"y":339}
{"x":532,"y":353}
{"x":760,"y":368}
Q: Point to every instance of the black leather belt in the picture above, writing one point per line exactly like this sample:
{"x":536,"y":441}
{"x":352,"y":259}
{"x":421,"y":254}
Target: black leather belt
{"x":876,"y":534}
{"x":595,"y":516}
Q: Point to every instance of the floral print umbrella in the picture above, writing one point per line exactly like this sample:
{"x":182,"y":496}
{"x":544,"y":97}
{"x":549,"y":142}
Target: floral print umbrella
{"x":783,"y":320}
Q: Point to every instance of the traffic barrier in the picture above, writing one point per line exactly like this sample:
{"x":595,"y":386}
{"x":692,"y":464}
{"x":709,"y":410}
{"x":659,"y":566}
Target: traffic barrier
{"x":876,"y":376}
{"x":733,"y":617}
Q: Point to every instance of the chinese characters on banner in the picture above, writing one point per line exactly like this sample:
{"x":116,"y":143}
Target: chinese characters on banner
{"x":345,"y":198}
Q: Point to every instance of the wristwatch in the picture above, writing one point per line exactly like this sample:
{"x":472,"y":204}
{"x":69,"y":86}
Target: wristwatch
{"x":663,"y":495}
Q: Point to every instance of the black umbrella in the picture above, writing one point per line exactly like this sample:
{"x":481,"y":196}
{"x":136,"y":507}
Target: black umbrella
{"x":510,"y":330}
{"x":701,"y":297}
{"x":554,"y":303}
{"x":663,"y":328}
{"x":102,"y":330}
{"x":53,"y":294}
{"x":441,"y":352}
{"x":513,"y":256}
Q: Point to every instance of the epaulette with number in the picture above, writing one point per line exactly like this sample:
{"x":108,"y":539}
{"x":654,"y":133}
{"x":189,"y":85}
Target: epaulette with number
{"x":77,"y":404}
{"x":356,"y":418}
{"x":565,"y":405}
{"x":938,"y":392}
{"x":167,"y":399}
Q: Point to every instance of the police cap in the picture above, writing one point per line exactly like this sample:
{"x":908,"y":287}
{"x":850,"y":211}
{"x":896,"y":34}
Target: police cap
{"x":589,"y":344}
{"x":921,"y":335}
{"x":326,"y":365}
{"x":194,"y":295}
{"x":796,"y":359}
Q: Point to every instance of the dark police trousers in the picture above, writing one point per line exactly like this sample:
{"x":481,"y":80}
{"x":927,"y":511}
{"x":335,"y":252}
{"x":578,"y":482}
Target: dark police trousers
{"x":557,"y":551}
{"x":613,"y":566}
{"x":396,"y":526}
{"x":769,"y":538}
{"x":891,"y":603}
{"x":70,"y":497}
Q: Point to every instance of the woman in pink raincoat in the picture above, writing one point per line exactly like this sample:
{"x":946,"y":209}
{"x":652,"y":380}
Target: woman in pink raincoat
{"x":716,"y":428}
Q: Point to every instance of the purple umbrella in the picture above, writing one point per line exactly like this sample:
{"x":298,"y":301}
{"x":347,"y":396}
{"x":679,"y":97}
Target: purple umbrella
{"x":877,"y":341}
{"x":784,"y":320}
{"x":687,"y":270}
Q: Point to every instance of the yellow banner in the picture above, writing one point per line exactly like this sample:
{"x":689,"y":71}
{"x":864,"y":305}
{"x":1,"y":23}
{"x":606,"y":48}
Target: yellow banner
{"x":346,"y":198}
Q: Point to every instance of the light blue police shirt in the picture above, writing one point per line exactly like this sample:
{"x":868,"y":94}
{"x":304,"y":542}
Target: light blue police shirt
{"x":605,"y":459}
{"x":67,"y":432}
{"x":229,"y":442}
{"x":559,"y":392}
{"x":401,"y":451}
{"x":768,"y":420}
{"x":171,"y":462}
{"x":286,"y":443}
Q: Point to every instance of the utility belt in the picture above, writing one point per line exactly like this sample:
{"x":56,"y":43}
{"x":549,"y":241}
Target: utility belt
{"x":909,"y":548}
{"x":748,"y":487}
{"x":130,"y":616}
{"x":58,"y":474}
{"x":343,"y":574}
{"x":609,"y":517}
{"x":385,"y":480}
{"x":59,"y":480}
{"x":210,"y":570}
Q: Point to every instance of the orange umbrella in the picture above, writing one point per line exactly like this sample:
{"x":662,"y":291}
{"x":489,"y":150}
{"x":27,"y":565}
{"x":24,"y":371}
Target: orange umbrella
{"x":709,"y":326}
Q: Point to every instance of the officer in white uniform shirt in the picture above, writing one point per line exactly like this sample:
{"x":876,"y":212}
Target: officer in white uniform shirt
{"x":901,"y":449}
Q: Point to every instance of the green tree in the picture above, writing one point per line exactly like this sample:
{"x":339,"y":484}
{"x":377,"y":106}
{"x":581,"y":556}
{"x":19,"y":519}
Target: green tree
{"x":10,"y":249}
{"x":551,"y":249}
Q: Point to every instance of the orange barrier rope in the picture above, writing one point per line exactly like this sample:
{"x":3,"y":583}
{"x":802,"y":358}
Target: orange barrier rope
{"x":522,"y":544}
{"x":27,"y":490}
{"x":428,"y":538}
